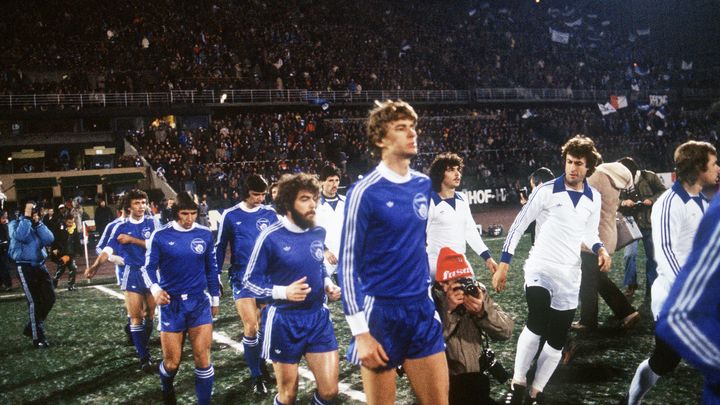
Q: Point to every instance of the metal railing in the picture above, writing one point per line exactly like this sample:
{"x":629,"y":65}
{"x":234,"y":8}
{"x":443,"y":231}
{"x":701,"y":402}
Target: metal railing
{"x":300,"y":97}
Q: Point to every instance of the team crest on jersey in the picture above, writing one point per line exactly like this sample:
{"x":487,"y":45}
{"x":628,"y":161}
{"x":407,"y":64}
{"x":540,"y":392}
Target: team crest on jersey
{"x":146,"y":233}
{"x":420,"y":206}
{"x":317,"y":249}
{"x":198,"y":246}
{"x":262,"y":223}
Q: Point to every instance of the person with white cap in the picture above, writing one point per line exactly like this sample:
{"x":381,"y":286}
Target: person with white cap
{"x":468,"y":316}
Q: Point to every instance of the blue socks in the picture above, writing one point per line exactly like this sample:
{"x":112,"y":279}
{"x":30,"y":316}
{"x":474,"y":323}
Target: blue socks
{"x":252,"y":355}
{"x":166,"y":378}
{"x":137,"y":332}
{"x":149,"y":326}
{"x":204,"y":378}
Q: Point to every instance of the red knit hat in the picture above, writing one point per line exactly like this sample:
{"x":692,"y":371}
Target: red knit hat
{"x":452,"y":265}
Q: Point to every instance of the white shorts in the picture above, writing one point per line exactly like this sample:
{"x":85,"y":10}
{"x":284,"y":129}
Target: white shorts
{"x":563,"y":283}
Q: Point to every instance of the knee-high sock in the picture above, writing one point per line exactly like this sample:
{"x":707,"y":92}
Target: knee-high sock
{"x":204,"y":378}
{"x":643,"y":380}
{"x":546,"y":364}
{"x":252,"y":355}
{"x":137,"y":332}
{"x":149,"y":326}
{"x":527,"y":346}
{"x":166,"y":378}
{"x":316,"y":400}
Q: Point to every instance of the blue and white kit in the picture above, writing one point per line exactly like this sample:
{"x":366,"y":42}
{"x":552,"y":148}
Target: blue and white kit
{"x":133,"y":255}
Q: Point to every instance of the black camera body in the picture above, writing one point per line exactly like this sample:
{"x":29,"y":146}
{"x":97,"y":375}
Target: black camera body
{"x":469,"y":286}
{"x":489,"y":365}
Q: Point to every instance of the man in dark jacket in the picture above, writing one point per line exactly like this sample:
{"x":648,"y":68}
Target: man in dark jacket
{"x":103,"y":216}
{"x":65,"y":249}
{"x":28,"y":238}
{"x":647,"y":188}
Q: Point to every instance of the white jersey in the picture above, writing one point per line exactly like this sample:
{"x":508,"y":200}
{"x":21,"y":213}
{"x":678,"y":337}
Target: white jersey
{"x":568,"y":218}
{"x":675,"y":219}
{"x":329,"y":215}
{"x":451,"y":224}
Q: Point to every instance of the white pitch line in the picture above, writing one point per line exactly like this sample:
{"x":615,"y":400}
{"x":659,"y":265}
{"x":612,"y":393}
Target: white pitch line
{"x":220,"y":337}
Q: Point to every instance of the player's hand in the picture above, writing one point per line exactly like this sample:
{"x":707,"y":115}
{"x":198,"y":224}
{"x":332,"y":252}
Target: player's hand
{"x":124,"y":239}
{"x":90,"y":271}
{"x":333,"y":292}
{"x":604,"y":260}
{"x":214,"y":311}
{"x":298,"y":290}
{"x":455,"y":297}
{"x":475,"y":305}
{"x":500,"y":277}
{"x":370,"y":351}
{"x":28,"y":209}
{"x":163,"y":298}
{"x":491,"y":265}
{"x":627,"y":203}
{"x":330,"y":257}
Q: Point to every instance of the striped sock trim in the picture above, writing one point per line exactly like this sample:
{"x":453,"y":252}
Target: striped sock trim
{"x":137,"y":328}
{"x":252,"y":342}
{"x":316,"y":400}
{"x":276,"y":401}
{"x":164,"y":372}
{"x":205,"y":372}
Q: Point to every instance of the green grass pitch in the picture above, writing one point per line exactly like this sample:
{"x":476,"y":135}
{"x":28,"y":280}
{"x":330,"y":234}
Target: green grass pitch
{"x":90,"y":363}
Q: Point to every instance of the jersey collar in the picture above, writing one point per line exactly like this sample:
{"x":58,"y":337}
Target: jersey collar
{"x":245,"y":208}
{"x":391,"y":175}
{"x":559,"y":186}
{"x":179,"y":228}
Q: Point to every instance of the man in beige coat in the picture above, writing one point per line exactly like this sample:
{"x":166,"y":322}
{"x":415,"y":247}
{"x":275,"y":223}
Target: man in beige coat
{"x":609,"y":179}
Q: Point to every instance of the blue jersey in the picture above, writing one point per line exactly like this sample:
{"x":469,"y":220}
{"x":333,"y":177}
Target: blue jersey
{"x":132,"y":254}
{"x":382,"y":250}
{"x":283,"y":254}
{"x":105,"y":237}
{"x":241,"y":227}
{"x":689,"y":320}
{"x":182,"y":261}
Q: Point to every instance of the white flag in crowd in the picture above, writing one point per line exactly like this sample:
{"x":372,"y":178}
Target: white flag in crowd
{"x":575,"y":23}
{"x":560,"y":37}
{"x":606,"y":108}
{"x":658,"y":100}
{"x":618,"y":102}
{"x":687,"y":65}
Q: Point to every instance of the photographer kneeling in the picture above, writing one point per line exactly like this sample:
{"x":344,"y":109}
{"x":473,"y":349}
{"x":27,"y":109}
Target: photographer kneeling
{"x":468,"y":314}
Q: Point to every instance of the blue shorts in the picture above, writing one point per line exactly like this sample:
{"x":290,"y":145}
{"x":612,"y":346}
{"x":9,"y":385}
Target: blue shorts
{"x":237,"y":287}
{"x":132,"y":281}
{"x":290,"y":333}
{"x":184,"y":312}
{"x":406,"y":328}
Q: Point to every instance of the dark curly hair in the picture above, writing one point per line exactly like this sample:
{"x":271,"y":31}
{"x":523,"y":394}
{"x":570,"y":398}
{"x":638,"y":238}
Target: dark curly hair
{"x":131,"y":195}
{"x":183,"y":201}
{"x":580,"y":146}
{"x":288,"y":188}
{"x":441,"y":163}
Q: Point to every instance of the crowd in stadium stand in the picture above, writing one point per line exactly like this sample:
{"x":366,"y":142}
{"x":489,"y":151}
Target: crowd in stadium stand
{"x":135,"y":46}
{"x":501,"y":147}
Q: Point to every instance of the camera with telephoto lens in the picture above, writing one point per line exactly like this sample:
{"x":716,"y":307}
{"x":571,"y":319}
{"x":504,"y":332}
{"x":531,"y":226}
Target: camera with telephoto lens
{"x":468,"y":286}
{"x":489,"y":365}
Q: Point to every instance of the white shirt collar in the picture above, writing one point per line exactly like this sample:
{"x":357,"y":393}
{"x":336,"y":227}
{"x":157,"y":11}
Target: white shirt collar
{"x":243,"y":206}
{"x":392,"y":176}
{"x":291,"y":226}
{"x":179,"y":227}
{"x":135,"y":221}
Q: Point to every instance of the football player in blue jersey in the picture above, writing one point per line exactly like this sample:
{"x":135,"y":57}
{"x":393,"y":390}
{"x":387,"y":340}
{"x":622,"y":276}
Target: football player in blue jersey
{"x":240,"y":226}
{"x":287,"y":265}
{"x":383,"y":267}
{"x":179,"y":267}
{"x":128,"y":241}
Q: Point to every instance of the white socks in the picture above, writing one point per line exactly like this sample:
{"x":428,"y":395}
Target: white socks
{"x":546,"y":364}
{"x":527,"y":346}
{"x":643,"y":380}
